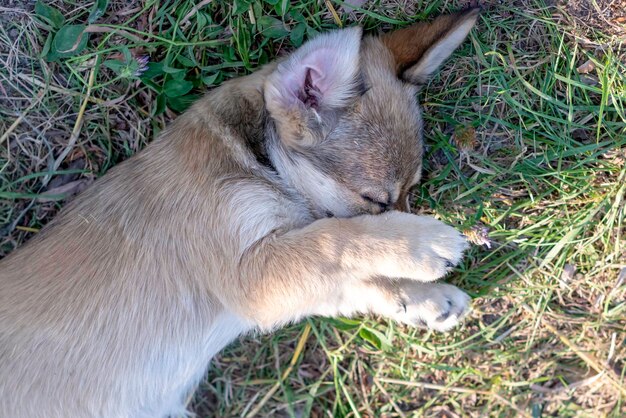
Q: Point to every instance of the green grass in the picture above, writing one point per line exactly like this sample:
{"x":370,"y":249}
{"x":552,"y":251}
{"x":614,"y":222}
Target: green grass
{"x":519,"y":141}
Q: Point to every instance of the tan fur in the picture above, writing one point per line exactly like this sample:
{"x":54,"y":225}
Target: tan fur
{"x":222,"y":226}
{"x":410,"y":44}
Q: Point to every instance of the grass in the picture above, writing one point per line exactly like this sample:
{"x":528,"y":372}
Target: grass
{"x":523,"y":140}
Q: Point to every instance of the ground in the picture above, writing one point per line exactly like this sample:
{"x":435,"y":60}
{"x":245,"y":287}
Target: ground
{"x":526,"y":136}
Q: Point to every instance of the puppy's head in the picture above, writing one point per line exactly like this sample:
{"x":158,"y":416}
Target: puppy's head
{"x":347,"y":130}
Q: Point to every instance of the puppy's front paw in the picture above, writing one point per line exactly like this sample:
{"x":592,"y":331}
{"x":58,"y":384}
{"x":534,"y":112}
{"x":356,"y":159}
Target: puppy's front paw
{"x":409,"y":246}
{"x":439,"y":247}
{"x":436,"y":306}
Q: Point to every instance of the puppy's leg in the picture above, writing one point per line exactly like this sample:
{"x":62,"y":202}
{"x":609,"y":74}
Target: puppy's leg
{"x":437,"y":306}
{"x":307,"y":271}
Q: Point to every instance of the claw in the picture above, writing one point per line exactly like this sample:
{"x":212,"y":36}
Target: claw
{"x":447,"y":313}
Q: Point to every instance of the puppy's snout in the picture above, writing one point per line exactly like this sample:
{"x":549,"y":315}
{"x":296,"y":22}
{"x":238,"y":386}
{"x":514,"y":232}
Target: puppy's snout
{"x":379,"y":201}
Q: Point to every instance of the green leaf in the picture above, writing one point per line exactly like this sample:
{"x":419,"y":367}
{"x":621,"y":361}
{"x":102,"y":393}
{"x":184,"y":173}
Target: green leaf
{"x":69,"y":40}
{"x":271,"y":27}
{"x":180,"y":104}
{"x":311,"y":32}
{"x":282,"y":7}
{"x":171,"y":70}
{"x":257,"y":8}
{"x":128,"y":56}
{"x":154,"y":70}
{"x":345,"y":324}
{"x":116,"y":65}
{"x":209,"y":80}
{"x":240,"y":6}
{"x":160,"y":104}
{"x":157,"y":88}
{"x":243,"y":39}
{"x":49,"y":13}
{"x":46,"y":46}
{"x":376,"y":338}
{"x":201,"y":21}
{"x":97,"y":11}
{"x":264,"y":58}
{"x":175,"y":73}
{"x":179,"y":75}
{"x":297,"y":34}
{"x":123,"y":69}
{"x":177,"y":88}
{"x":229,"y":54}
{"x":185,"y":62}
{"x":296,"y":15}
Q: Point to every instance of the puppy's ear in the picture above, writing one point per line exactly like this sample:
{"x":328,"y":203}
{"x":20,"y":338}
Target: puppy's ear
{"x":321,"y":76}
{"x":420,"y":49}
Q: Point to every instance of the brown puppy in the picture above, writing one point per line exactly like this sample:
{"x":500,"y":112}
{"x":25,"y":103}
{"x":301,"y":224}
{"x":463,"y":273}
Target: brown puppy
{"x":271,"y":199}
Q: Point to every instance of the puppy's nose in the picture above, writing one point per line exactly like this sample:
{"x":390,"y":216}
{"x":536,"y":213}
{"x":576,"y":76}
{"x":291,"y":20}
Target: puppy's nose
{"x":381,"y":199}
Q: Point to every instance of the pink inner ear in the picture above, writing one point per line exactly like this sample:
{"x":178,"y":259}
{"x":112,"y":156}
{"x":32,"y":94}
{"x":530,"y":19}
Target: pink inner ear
{"x":310,"y":94}
{"x":321,"y":65}
{"x":310,"y":79}
{"x":321,"y":74}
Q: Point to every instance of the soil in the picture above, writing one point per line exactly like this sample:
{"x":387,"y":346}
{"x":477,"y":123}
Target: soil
{"x":21,"y":4}
{"x":607,"y":17}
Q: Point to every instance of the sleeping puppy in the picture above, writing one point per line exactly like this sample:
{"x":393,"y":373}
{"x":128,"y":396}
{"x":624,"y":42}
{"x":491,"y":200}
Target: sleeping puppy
{"x":279,"y":195}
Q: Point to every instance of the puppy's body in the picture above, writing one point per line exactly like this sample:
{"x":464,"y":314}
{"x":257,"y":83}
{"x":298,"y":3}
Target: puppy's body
{"x":221,"y":226}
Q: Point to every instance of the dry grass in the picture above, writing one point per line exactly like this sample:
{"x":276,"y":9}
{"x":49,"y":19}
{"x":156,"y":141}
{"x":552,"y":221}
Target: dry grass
{"x":526,"y":132}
